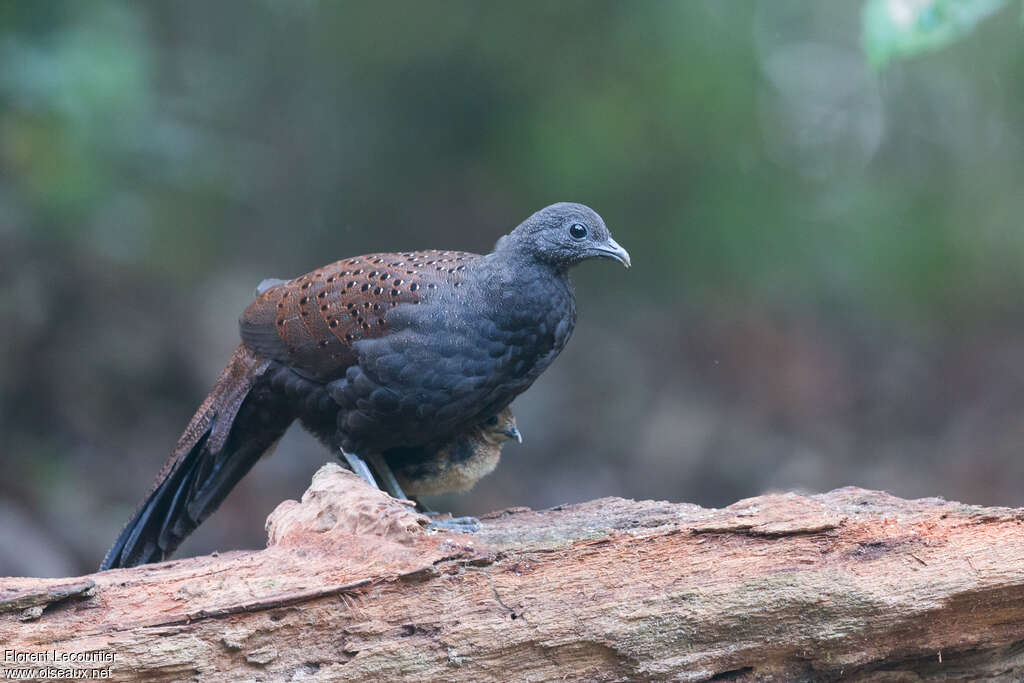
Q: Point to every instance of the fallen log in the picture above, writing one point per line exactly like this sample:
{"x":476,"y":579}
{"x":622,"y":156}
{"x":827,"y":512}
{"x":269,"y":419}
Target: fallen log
{"x":353,"y":586}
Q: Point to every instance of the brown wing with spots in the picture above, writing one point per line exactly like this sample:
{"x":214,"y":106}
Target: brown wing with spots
{"x":312,"y":322}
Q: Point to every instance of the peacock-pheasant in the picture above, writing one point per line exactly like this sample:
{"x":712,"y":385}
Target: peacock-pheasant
{"x":398,"y":360}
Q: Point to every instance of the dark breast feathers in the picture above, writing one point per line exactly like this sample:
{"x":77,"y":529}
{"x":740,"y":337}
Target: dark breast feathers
{"x":399,"y":349}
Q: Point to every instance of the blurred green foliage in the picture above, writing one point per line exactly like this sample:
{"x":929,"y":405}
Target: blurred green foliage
{"x":152,"y":141}
{"x":903,"y":28}
{"x":828,"y":258}
{"x":148,"y":146}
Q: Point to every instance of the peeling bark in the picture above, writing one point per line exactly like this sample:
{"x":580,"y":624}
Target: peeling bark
{"x":352,"y":586}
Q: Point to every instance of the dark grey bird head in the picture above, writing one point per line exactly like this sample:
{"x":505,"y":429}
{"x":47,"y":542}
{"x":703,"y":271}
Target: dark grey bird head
{"x":563,"y":235}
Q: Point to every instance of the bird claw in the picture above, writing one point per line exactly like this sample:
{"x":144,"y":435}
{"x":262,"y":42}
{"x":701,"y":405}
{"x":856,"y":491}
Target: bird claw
{"x":461,"y":525}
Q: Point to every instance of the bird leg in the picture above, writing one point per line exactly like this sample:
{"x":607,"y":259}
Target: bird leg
{"x":462,"y":525}
{"x":387,"y":477}
{"x":358,"y":465}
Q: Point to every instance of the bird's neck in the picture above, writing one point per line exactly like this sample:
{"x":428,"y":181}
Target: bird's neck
{"x":514,"y":252}
{"x":515,"y":284}
{"x":515,"y":268}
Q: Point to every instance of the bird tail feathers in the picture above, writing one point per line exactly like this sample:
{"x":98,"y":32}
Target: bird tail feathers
{"x":240,"y":420}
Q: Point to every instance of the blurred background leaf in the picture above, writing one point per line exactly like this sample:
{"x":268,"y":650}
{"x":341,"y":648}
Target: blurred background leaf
{"x":828,"y":260}
{"x":903,"y":28}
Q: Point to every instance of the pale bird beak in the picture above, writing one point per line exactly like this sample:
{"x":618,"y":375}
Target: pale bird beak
{"x":513,"y":433}
{"x":611,"y":249}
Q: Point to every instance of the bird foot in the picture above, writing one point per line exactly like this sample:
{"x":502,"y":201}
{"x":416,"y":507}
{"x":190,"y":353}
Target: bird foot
{"x":461,"y":525}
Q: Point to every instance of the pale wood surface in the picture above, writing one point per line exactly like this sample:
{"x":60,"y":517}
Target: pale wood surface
{"x":851,"y":584}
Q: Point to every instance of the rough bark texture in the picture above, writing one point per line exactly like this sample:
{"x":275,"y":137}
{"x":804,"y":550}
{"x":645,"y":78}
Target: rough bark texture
{"x":853,"y":583}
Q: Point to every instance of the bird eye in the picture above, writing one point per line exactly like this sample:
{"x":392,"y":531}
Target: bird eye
{"x":492,"y":421}
{"x":578,"y":231}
